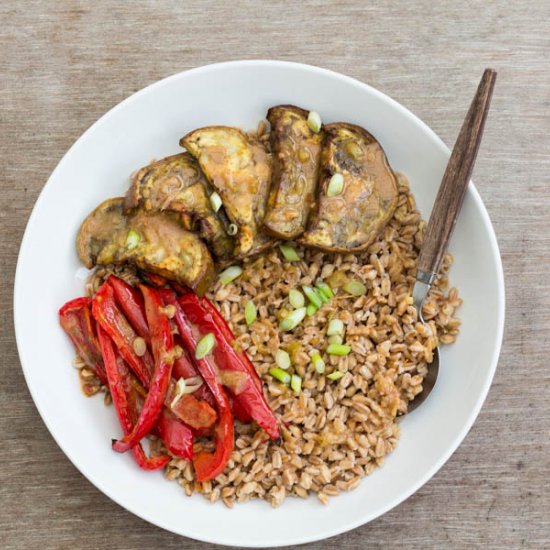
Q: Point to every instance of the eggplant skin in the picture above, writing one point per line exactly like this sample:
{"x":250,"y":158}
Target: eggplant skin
{"x":240,"y":171}
{"x":163,"y":246}
{"x":351,"y":220}
{"x":177,"y":184}
{"x":296,"y":158}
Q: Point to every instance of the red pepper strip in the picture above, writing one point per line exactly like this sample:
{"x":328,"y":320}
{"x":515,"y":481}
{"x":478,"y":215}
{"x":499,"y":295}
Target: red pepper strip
{"x":124,"y":399}
{"x":112,"y":321}
{"x":131,"y":302}
{"x":177,"y":436}
{"x":76,"y":319}
{"x":195,"y":413}
{"x":162,"y":344}
{"x":239,"y":412}
{"x":230,"y":338}
{"x":209,"y":465}
{"x":250,"y":396}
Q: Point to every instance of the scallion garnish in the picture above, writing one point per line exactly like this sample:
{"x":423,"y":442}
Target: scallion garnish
{"x":280,"y":375}
{"x":296,"y":383}
{"x":205,"y":346}
{"x":289,"y":253}
{"x":338,"y":349}
{"x":282,"y":359}
{"x":355,"y":288}
{"x":230,"y":274}
{"x":250,"y":312}
{"x":296,"y":298}
{"x":293,"y":319}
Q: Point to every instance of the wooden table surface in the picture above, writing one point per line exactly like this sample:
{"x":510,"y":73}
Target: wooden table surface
{"x":63,"y":64}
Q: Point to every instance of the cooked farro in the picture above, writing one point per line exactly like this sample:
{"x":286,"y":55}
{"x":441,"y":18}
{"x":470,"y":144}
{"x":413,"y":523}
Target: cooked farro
{"x":333,"y":432}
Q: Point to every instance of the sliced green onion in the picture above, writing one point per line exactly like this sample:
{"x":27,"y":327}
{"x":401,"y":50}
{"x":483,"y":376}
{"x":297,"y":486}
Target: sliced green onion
{"x":180,"y":390}
{"x":355,"y":288}
{"x":311,"y":309}
{"x":280,"y":375}
{"x":354,"y":150}
{"x":325,"y":289}
{"x":205,"y":346}
{"x":318,"y":363}
{"x":193,"y":384}
{"x":186,"y":386}
{"x":293,"y":319}
{"x":296,"y":298}
{"x":336,"y":326}
{"x":139,"y":345}
{"x":132,"y":239}
{"x":335,"y":375}
{"x":314,"y":121}
{"x":282,"y":359}
{"x":321,"y":296}
{"x":338,"y":349}
{"x":335,"y":339}
{"x":232,"y":229}
{"x":250,"y":312}
{"x":215,"y":201}
{"x":230,"y":274}
{"x":335,"y":185}
{"x":313,"y":297}
{"x":289,"y":253}
{"x":296,"y":383}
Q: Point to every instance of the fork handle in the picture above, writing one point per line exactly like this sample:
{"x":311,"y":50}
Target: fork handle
{"x":455,"y":181}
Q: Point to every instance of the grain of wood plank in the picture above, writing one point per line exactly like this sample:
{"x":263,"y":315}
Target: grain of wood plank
{"x":65,"y":63}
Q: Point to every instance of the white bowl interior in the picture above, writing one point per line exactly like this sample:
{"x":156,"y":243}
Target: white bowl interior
{"x":148,"y":125}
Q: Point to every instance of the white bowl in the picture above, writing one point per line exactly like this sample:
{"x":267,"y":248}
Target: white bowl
{"x":148,"y":125}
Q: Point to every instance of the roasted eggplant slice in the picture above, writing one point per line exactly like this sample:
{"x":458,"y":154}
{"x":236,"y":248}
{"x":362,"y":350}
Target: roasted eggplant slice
{"x":153,"y":241}
{"x":349,"y":219}
{"x":98,"y":229}
{"x":296,"y":157}
{"x":177,"y":183}
{"x":240,"y":171}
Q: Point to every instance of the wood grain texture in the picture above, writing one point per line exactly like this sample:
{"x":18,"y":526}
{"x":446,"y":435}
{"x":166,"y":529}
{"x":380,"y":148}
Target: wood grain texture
{"x":454,"y":184}
{"x":65,"y":63}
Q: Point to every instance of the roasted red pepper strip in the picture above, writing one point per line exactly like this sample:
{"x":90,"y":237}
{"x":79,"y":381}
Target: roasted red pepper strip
{"x":239,"y":411}
{"x":177,"y":436}
{"x":76,"y":319}
{"x":130,"y":301}
{"x":125,"y":400}
{"x":109,"y":317}
{"x":236,"y":408}
{"x":189,"y":409}
{"x":230,"y":338}
{"x":163,"y":352}
{"x":250,"y":396}
{"x":209,"y":465}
